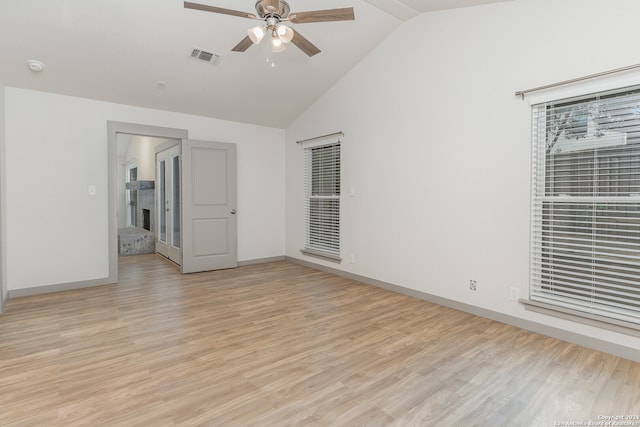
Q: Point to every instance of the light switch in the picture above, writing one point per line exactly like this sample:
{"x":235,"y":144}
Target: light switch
{"x":92,"y":190}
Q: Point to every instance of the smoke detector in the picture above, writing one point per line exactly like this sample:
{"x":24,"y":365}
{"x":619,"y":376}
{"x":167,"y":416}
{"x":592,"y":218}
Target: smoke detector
{"x":205,"y":56}
{"x":35,"y":65}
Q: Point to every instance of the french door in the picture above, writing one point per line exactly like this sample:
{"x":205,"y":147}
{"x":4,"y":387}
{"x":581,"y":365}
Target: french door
{"x":168,"y":200}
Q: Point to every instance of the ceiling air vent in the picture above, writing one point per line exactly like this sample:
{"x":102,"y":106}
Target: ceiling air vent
{"x":204,"y":56}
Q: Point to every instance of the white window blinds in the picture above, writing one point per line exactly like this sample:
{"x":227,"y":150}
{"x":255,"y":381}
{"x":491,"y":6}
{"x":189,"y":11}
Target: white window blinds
{"x":586,"y":204}
{"x":322,"y":199}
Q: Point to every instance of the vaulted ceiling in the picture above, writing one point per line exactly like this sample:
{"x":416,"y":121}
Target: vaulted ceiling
{"x":137,"y":52}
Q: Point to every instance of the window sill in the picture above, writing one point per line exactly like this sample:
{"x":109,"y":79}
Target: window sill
{"x":607,"y":323}
{"x":320,"y":254}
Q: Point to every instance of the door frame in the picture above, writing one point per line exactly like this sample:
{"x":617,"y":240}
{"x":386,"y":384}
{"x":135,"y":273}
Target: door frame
{"x":113,"y":129}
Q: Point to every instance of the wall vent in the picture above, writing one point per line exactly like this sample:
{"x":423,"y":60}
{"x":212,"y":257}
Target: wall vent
{"x":205,"y":56}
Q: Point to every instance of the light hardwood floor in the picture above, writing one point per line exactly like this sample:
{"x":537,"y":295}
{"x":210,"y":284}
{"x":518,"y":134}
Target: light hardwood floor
{"x":281,"y":344}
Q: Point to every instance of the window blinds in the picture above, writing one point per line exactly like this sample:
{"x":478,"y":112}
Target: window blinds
{"x":322,"y":196}
{"x":586,"y":204}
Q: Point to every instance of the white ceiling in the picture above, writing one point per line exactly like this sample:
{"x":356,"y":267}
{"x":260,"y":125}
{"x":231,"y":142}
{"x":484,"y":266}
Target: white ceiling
{"x":119,"y":50}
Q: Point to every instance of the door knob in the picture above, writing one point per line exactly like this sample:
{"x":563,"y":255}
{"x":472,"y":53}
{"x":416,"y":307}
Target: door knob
{"x":233,"y":211}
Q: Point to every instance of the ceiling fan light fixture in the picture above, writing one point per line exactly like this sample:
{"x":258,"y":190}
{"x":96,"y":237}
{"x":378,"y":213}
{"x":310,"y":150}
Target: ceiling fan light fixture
{"x":277,"y":45}
{"x":284,"y":33}
{"x":256,"y":34}
{"x":272,"y":13}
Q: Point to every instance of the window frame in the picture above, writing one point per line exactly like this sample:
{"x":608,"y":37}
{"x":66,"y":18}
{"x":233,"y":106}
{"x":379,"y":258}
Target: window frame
{"x":539,"y":171}
{"x":332,"y":250}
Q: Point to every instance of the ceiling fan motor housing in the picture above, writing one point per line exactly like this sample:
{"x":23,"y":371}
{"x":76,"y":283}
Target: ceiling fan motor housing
{"x":281,"y":13}
{"x":272,"y":22}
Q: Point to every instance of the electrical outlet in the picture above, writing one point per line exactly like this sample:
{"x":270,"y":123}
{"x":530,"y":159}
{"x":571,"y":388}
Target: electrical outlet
{"x":352,"y":258}
{"x":515,"y":294}
{"x":473,"y":285}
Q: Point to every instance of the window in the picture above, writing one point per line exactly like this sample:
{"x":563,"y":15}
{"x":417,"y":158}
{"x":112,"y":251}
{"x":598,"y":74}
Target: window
{"x":586,"y":204}
{"x":131,"y":193}
{"x":322,"y":200}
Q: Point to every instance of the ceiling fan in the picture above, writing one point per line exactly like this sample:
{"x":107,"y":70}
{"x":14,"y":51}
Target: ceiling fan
{"x":274,"y":13}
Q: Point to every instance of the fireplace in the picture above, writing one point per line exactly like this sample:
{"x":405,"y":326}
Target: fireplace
{"x":143,"y":203}
{"x":146,"y":219}
{"x":139,"y":238}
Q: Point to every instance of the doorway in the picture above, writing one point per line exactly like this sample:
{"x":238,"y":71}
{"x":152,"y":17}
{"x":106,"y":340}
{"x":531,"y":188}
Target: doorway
{"x":117,"y":213}
{"x":137,"y":195}
{"x":204,"y":209}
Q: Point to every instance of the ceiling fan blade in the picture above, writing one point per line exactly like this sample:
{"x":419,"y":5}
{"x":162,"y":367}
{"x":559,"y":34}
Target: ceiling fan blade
{"x":244,"y":44}
{"x":206,"y":8}
{"x":271,"y":6}
{"x":327,"y":15}
{"x":303,"y":44}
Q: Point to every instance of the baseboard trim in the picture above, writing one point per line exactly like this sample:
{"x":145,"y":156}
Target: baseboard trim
{"x":60,"y":287}
{"x":550,"y":331}
{"x":260,"y":260}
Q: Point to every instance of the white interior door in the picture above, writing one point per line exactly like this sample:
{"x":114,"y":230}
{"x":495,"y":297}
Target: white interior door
{"x":168,"y":199}
{"x":209,"y":222}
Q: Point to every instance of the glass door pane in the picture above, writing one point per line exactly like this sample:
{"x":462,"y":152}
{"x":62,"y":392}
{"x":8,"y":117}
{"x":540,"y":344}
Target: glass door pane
{"x":175,"y":194}
{"x":162,"y":202}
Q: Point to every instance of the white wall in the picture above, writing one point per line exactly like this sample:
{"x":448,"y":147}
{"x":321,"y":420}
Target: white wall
{"x":142,"y":150}
{"x":57,"y":146}
{"x":3,"y":204}
{"x":437,"y":146}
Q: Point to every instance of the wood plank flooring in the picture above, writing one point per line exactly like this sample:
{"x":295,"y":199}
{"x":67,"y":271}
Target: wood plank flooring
{"x":284,"y":345}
